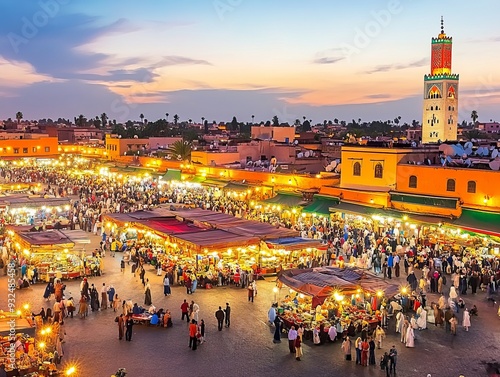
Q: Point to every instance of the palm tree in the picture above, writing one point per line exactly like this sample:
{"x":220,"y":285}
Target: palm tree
{"x":166,"y":117}
{"x":474,"y":117}
{"x":176,"y":119}
{"x":104,"y":119}
{"x":202,"y":120}
{"x":19,"y":116}
{"x":181,"y":150}
{"x":190,"y":121}
{"x":81,"y":120}
{"x":253,"y":117}
{"x":142,"y":117}
{"x":336,"y":121}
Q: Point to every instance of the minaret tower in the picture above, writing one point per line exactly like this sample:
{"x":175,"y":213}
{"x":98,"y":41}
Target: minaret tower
{"x":440,"y":110}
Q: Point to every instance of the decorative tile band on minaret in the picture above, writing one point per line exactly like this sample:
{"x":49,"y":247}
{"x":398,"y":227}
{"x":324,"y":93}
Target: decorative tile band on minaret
{"x":440,"y":108}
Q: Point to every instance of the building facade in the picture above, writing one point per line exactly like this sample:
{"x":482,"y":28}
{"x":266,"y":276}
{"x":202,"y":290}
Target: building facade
{"x":440,"y":107}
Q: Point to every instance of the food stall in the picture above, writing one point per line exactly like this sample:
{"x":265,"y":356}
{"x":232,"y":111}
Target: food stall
{"x":51,"y":252}
{"x":35,"y":344}
{"x":291,"y":252}
{"x":328,"y":296}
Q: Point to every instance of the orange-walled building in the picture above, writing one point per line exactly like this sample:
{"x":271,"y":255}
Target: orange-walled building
{"x":19,"y":148}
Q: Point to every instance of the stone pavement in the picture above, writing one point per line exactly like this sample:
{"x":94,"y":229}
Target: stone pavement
{"x":246,"y":348}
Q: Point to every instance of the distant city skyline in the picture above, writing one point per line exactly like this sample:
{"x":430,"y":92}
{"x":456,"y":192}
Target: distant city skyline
{"x":222,"y":58}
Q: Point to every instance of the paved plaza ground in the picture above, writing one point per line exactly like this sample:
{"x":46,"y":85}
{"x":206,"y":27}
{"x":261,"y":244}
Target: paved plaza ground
{"x":246,"y":348}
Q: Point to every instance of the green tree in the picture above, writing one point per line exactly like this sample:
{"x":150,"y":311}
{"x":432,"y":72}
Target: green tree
{"x":176,"y":119}
{"x":142,"y":117}
{"x":181,"y":150}
{"x":19,"y":116}
{"x":474,"y":117}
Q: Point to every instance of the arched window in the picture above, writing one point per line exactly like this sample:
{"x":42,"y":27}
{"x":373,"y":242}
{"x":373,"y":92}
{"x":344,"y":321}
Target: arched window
{"x":434,"y":92}
{"x":450,"y":185}
{"x":379,"y":170}
{"x":471,"y":187}
{"x":451,"y":92}
{"x":432,"y":107}
{"x":412,"y":182}
{"x":356,"y":169}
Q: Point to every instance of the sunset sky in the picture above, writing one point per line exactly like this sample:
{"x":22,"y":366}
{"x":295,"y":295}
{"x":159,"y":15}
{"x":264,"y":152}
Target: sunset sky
{"x":219,"y":58}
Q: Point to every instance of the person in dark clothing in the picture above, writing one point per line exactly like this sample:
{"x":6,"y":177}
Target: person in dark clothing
{"x":185,"y":311}
{"x":384,"y":363}
{"x":393,"y":358}
{"x":278,"y":323}
{"x":129,"y":323}
{"x":371,"y":359}
{"x":219,"y":314}
{"x":228,"y":314}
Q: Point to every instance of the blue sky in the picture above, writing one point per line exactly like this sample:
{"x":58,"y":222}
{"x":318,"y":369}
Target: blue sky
{"x":219,"y":58}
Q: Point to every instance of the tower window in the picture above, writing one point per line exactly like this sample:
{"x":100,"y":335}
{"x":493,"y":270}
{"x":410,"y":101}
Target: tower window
{"x":379,"y":170}
{"x":450,"y":185}
{"x":432,"y":107}
{"x":434,"y":92}
{"x":451,"y":92}
{"x":356,"y":169}
{"x":449,"y":108}
{"x":412,"y":182}
{"x":471,"y":187}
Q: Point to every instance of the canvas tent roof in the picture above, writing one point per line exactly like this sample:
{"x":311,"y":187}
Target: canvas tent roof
{"x":326,"y":279}
{"x":216,"y":238}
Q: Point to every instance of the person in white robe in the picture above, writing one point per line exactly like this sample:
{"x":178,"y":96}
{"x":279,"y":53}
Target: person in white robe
{"x":410,"y":337}
{"x":466,"y":320}
{"x":422,"y":318}
{"x":399,"y":322}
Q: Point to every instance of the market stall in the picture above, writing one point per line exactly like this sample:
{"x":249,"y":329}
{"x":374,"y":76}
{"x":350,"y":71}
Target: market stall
{"x":292,"y":252}
{"x":52,"y":253}
{"x":327,"y":296}
{"x":35,"y":345}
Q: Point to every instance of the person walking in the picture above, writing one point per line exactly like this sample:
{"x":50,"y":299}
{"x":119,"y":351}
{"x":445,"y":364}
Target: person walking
{"x":453,"y":324}
{"x":185,"y":311}
{"x":111,"y":295}
{"x":116,"y":303}
{"x":219,"y":314}
{"x":166,"y":285}
{"x":466,"y":320}
{"x":292,"y":335}
{"x":201,"y":330}
{"x":193,"y":330}
{"x":104,"y":296}
{"x":357,"y":347}
{"x":365,"y":347}
{"x":346,"y":348}
{"x":142,"y":274}
{"x":228,"y":314}
{"x":278,"y":325}
{"x":129,"y":323}
{"x":393,"y":359}
{"x":371,"y":357}
{"x":298,"y":348}
{"x":147,"y":294}
{"x":121,"y":325}
{"x":195,"y":311}
{"x":250,"y":292}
